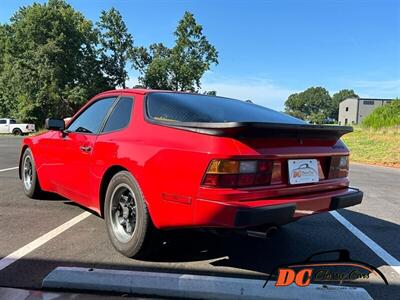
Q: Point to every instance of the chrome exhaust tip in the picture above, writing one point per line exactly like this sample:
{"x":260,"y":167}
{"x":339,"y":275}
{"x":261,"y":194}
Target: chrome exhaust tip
{"x":269,"y":232}
{"x":257,"y":234}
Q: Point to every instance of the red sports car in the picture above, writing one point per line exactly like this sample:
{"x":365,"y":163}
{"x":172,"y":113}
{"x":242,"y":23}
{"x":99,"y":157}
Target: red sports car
{"x":149,"y":160}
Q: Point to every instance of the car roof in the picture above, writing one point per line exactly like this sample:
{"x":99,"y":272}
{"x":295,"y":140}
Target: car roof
{"x":135,"y":91}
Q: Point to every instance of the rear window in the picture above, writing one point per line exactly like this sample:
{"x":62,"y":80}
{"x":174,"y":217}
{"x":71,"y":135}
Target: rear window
{"x":178,"y":107}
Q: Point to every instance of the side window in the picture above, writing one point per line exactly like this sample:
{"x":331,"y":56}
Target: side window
{"x":91,"y":119}
{"x":120,"y":116}
{"x":3,"y":122}
{"x":13,"y":121}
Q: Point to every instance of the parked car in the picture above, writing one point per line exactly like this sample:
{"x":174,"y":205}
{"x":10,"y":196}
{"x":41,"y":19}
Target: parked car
{"x":11,"y":126}
{"x":149,"y":160}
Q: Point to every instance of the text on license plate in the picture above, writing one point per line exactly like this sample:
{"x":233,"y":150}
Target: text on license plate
{"x":303,"y":171}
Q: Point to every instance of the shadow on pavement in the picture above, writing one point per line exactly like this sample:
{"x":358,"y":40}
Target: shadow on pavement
{"x":232,"y":256}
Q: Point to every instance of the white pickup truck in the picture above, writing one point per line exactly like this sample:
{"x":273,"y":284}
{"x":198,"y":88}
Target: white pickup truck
{"x":11,"y":126}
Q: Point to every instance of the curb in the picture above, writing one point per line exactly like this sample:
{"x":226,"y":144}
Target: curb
{"x":189,"y":286}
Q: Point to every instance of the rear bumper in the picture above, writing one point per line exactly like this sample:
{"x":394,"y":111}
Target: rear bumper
{"x":275,"y":214}
{"x":346,"y":200}
{"x":272,"y":211}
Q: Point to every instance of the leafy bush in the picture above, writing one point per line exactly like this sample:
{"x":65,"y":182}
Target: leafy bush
{"x":385,"y":116}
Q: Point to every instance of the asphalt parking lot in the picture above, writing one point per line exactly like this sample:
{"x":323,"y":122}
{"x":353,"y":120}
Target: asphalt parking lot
{"x":86,"y":244}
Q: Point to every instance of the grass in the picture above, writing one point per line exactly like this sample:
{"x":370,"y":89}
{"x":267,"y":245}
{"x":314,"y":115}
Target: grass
{"x":384,"y":117}
{"x":380,"y":147}
{"x":377,"y":141}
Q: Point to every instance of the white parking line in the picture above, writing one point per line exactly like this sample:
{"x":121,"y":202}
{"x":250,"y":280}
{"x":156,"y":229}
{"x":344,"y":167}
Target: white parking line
{"x":8,"y":169}
{"x":21,"y":252}
{"x":378,"y":250}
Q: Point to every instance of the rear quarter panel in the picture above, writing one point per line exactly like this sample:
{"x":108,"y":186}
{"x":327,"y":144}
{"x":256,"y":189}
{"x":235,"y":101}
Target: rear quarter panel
{"x":168,"y":164}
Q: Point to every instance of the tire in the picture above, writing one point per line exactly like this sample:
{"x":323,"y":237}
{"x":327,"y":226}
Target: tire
{"x":128,"y":222}
{"x":29,"y":176}
{"x":17,"y":131}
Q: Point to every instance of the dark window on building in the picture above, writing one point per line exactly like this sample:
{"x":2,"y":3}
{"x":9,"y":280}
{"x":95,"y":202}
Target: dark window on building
{"x":345,"y":121}
{"x":347,"y":108}
{"x":91,"y":119}
{"x":368,"y":102}
{"x":120,"y":116}
{"x":169,"y":107}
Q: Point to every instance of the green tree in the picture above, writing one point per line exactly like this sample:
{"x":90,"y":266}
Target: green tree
{"x":313,"y":105}
{"x":154,"y":65}
{"x":116,"y":46}
{"x":51,"y":62}
{"x":4,"y":106}
{"x":181,"y":67}
{"x":337,"y":98}
{"x":3,"y":41}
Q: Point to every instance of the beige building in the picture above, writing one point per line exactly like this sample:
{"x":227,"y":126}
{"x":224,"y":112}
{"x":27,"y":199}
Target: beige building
{"x":354,"y":110}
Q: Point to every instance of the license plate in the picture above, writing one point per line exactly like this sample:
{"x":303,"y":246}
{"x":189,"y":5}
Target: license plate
{"x":303,"y":171}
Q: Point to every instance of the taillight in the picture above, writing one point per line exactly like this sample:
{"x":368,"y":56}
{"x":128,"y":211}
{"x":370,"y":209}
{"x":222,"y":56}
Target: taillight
{"x":339,"y":167}
{"x":238,"y":173}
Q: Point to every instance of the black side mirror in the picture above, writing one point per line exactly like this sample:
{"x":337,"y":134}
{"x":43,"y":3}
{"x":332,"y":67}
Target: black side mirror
{"x":54,"y":124}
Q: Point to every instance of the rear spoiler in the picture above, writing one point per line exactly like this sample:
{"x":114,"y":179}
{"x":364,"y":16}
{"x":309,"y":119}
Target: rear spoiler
{"x":261,"y":129}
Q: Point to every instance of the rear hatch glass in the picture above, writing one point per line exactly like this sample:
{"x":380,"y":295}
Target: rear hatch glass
{"x":182,"y":107}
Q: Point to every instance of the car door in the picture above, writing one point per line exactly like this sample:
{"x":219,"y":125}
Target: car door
{"x":76,"y":146}
{"x":3,"y":126}
{"x":112,"y":144}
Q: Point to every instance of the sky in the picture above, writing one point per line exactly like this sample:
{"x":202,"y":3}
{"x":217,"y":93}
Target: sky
{"x":271,"y":49}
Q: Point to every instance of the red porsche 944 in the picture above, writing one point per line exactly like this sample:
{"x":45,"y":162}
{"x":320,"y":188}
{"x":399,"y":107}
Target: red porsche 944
{"x":149,"y":160}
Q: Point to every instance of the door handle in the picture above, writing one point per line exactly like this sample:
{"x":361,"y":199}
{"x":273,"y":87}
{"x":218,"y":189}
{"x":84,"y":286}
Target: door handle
{"x":85,"y":148}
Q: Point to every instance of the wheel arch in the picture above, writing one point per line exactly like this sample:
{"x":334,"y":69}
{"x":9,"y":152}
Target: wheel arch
{"x":24,"y":147}
{"x":111,"y":171}
{"x":16,"y":128}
